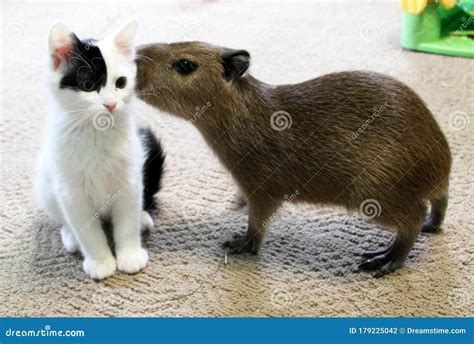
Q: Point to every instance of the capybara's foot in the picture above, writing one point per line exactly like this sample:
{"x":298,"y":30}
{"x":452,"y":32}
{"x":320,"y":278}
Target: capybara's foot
{"x":430,"y":227}
{"x":381,"y":264}
{"x":240,"y":245}
{"x":369,"y":255}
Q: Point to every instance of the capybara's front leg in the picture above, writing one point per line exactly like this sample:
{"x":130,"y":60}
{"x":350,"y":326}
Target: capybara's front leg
{"x":260,"y":213}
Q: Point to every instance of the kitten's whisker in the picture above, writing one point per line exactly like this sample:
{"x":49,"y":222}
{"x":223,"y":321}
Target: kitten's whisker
{"x":77,"y":110}
{"x":75,"y":119}
{"x":81,"y":58}
{"x":146,"y":57}
{"x":144,"y":93}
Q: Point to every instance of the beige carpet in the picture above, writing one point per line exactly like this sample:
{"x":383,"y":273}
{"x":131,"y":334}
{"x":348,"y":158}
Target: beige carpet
{"x":307,"y":266}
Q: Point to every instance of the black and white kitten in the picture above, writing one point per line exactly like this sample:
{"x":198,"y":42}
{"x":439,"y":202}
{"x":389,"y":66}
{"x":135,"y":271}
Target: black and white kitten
{"x":95,"y":163}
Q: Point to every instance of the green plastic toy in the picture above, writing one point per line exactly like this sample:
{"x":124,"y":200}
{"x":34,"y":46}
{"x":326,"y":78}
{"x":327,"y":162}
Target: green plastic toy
{"x":433,"y":28}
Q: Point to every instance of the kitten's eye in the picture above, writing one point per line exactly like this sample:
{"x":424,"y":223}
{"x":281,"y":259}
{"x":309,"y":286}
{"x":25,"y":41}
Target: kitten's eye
{"x":121,"y":82}
{"x":184,"y":66}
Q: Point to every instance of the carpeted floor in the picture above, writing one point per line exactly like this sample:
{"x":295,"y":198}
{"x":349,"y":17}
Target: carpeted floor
{"x":307,"y":266}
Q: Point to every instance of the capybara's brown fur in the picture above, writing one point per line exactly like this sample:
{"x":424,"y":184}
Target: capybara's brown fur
{"x":356,"y":139}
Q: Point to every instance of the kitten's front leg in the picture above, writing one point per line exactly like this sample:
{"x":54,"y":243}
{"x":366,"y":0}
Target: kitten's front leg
{"x":69,"y":239}
{"x":99,"y":261}
{"x":126,"y":217}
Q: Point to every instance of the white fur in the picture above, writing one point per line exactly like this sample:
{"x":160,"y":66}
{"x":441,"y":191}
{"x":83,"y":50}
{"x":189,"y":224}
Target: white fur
{"x":86,"y":174}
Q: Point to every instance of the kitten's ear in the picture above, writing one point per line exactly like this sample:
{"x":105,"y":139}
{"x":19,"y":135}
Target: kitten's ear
{"x":235,"y":63}
{"x":61,"y":43}
{"x":123,"y":39}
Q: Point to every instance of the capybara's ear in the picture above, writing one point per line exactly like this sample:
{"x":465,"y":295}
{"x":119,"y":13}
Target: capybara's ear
{"x":235,"y":63}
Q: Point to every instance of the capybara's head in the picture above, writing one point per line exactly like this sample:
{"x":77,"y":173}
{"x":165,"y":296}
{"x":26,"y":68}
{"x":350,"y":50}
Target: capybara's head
{"x":183,"y":77}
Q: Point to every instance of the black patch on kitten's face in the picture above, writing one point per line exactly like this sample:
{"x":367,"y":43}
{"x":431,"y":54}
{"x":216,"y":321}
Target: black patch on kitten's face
{"x":86,"y":70}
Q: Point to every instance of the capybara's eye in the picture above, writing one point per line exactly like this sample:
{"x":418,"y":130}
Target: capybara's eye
{"x":184,"y":66}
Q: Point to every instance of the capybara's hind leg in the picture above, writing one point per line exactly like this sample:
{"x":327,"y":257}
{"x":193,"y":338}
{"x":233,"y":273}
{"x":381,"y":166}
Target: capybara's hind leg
{"x":259,"y":214}
{"x":392,"y":258}
{"x":438,"y":211}
{"x":386,"y":261}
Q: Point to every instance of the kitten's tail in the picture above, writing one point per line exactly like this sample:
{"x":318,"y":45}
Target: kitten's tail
{"x":152,"y":168}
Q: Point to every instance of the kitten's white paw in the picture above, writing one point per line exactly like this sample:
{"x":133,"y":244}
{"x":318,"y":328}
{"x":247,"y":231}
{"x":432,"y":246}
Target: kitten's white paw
{"x":100,"y":269}
{"x":69,"y":240}
{"x":146,"y":221}
{"x":132,"y":261}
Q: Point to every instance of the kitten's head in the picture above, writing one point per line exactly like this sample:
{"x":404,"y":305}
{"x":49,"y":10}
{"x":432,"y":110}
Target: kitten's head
{"x":90,"y":75}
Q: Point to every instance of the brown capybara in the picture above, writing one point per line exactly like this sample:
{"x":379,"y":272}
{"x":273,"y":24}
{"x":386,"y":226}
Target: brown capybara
{"x":356,"y":139}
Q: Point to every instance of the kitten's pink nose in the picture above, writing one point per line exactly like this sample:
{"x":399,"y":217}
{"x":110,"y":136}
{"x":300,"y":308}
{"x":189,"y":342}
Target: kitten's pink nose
{"x":110,"y":106}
